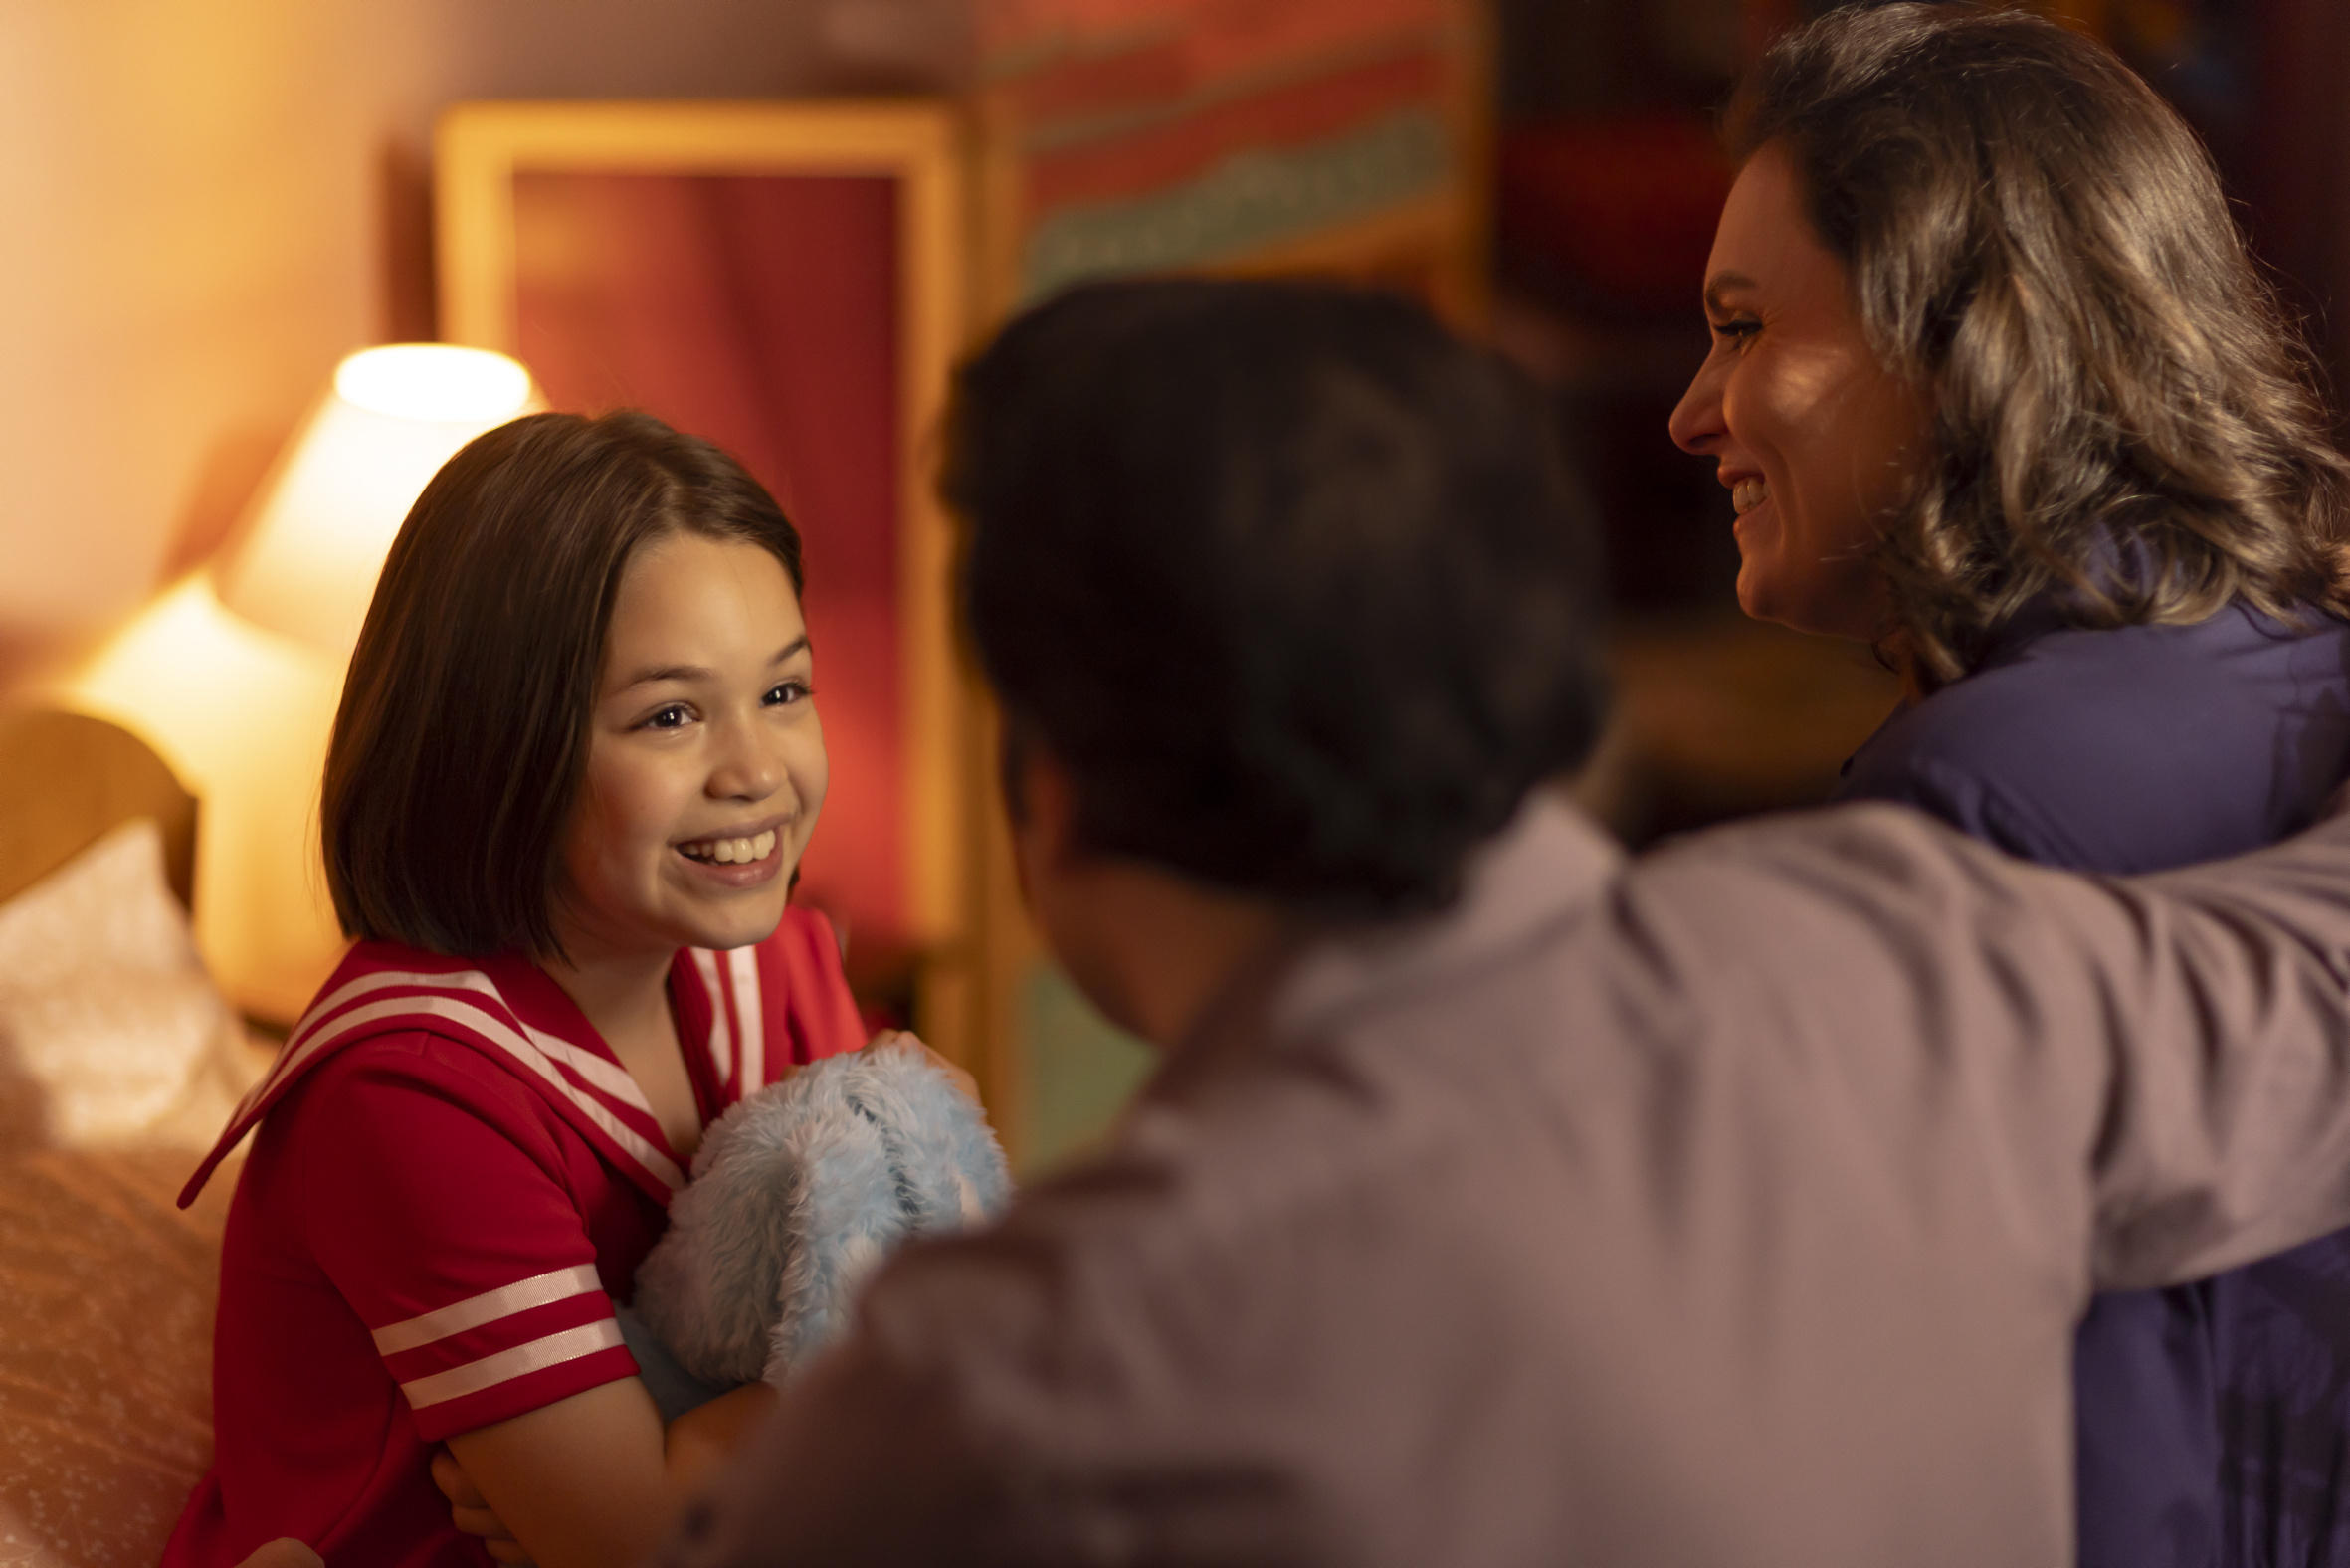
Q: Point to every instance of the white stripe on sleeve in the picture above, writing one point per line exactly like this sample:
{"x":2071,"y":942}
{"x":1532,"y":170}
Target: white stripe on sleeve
{"x":560,"y":1285}
{"x":507,"y":1365}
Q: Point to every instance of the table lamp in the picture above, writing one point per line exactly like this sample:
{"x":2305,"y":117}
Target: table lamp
{"x":234,"y":674}
{"x":322,"y":520}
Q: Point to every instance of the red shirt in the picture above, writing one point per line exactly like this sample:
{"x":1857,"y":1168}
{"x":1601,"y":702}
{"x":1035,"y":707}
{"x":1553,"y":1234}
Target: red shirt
{"x":453,"y":1181}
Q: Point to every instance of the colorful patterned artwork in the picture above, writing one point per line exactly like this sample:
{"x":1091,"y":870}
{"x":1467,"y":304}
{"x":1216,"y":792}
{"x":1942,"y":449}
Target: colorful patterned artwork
{"x":1182,"y":132}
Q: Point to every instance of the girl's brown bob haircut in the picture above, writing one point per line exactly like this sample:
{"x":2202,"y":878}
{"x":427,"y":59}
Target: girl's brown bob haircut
{"x":2123,"y":423}
{"x":463,"y":734}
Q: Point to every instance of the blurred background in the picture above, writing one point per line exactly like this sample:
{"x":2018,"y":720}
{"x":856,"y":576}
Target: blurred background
{"x":211,"y":203}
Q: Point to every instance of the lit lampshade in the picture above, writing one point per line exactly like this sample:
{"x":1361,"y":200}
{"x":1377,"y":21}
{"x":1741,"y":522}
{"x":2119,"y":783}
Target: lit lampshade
{"x":242,"y":716}
{"x":323,"y":520}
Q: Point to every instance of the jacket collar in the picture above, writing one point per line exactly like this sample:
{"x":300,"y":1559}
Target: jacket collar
{"x":1550,"y":864}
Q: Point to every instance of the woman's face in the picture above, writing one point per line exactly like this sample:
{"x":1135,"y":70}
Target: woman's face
{"x":705,"y":763}
{"x":1813,"y":437}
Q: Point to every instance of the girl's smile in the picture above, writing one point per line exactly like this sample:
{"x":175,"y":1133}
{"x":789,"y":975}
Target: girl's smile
{"x":705,"y":764}
{"x":743,"y":857}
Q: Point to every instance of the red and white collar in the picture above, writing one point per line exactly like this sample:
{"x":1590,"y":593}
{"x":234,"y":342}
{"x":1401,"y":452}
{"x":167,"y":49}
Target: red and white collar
{"x":507,"y":1009}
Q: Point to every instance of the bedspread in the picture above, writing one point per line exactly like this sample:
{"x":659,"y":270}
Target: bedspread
{"x":106,"y":1329}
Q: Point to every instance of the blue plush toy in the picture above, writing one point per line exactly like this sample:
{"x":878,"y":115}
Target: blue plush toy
{"x":797,"y":1193}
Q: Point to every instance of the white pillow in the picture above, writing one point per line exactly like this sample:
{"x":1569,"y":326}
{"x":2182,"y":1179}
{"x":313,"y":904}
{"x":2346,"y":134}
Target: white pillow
{"x":110,"y":1031}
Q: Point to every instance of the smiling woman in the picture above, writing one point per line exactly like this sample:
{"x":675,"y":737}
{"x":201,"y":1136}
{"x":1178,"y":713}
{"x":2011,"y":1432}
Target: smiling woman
{"x":1813,"y":436}
{"x":1986,"y":288}
{"x":577,"y":762}
{"x":1995,"y":385}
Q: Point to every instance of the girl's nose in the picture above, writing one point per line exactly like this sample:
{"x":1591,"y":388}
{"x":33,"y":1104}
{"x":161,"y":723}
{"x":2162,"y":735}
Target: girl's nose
{"x":752,"y":768}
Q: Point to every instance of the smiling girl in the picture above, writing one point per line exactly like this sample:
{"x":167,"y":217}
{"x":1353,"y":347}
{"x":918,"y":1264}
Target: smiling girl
{"x":576,"y":764}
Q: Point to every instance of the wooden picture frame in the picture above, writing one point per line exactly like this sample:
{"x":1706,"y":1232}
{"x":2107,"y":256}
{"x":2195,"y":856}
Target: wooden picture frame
{"x":586,"y":239}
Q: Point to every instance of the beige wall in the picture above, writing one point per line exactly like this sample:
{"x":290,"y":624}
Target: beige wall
{"x":204,"y":203}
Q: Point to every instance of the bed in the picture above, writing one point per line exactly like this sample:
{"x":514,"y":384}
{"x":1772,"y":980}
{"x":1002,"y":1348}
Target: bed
{"x":118,"y":1062}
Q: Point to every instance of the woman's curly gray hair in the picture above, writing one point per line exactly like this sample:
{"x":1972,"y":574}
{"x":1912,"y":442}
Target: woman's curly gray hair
{"x":2123,"y":420}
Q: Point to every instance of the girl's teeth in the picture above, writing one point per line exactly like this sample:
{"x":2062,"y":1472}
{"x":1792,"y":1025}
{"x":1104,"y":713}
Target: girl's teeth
{"x":735,"y":852}
{"x":1747,"y":495}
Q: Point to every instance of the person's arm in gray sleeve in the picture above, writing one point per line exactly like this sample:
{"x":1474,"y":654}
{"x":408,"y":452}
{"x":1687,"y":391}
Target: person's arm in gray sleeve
{"x":2226,"y":1128}
{"x":2155,"y":1067}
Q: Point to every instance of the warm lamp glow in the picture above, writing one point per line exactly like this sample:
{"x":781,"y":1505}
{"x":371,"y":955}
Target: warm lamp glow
{"x":242,"y":716}
{"x":240,"y":704}
{"x":434,"y":381}
{"x":322,"y":521}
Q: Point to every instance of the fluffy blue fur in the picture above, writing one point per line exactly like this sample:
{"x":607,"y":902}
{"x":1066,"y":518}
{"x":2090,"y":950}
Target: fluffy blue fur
{"x":797,"y":1193}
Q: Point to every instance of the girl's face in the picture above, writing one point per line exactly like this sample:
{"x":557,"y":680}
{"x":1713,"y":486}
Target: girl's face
{"x":1814,"y":439}
{"x":706,"y":762}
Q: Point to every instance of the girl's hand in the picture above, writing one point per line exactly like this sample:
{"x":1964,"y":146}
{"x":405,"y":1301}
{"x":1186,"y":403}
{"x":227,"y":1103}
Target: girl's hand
{"x":471,"y":1512}
{"x":692,"y":1447}
{"x":903,"y":1040}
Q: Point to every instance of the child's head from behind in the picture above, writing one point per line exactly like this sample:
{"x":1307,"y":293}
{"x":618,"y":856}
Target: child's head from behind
{"x":578,"y":720}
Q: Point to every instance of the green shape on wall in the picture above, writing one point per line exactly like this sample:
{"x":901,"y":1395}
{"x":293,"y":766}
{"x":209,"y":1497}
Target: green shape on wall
{"x":1082,"y":1070}
{"x":1252,"y":199}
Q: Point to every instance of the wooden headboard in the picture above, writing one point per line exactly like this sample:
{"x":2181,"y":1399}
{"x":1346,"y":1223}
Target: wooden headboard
{"x":66,"y":779}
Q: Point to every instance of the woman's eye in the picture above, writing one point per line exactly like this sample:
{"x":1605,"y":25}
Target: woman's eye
{"x":788,"y":692}
{"x":1737,"y":330}
{"x":673,"y":716}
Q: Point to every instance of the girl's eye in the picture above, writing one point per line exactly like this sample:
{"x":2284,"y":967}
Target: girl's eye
{"x":673,"y":716}
{"x":788,"y":692}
